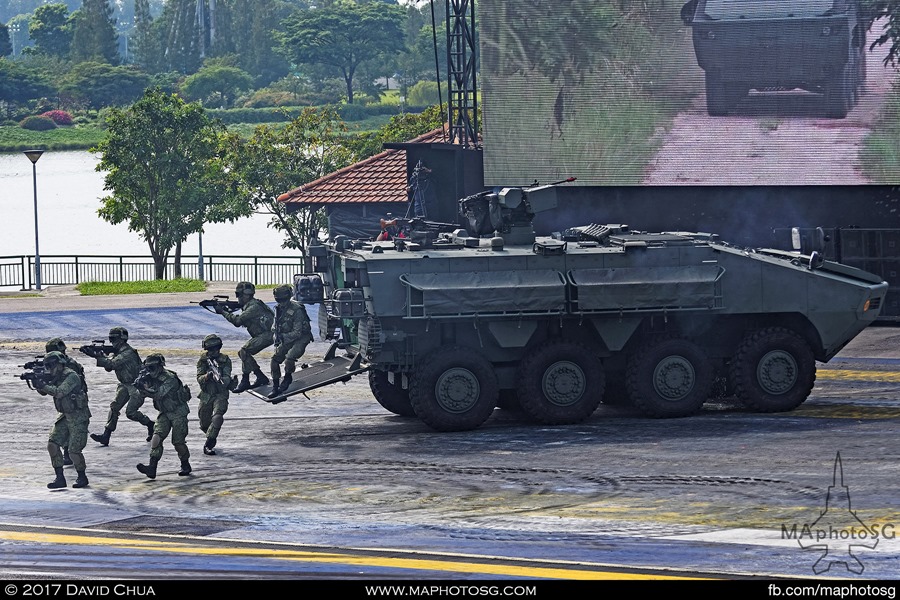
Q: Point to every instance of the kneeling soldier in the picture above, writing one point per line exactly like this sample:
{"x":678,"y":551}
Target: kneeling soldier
{"x":293,"y":334}
{"x":214,"y":377}
{"x":170,"y":398}
{"x":71,"y":426}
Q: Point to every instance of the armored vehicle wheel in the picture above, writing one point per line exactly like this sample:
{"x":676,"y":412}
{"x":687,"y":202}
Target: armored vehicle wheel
{"x":560,"y":382}
{"x":838,"y":95}
{"x":390,"y":396}
{"x":670,"y":377}
{"x":774,"y":370}
{"x":722,"y":96}
{"x":455,"y":389}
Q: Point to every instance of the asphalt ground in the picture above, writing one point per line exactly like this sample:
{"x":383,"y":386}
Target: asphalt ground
{"x":347,"y":489}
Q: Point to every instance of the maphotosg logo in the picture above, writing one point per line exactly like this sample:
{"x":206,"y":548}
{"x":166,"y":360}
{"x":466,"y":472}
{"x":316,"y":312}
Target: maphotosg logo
{"x":838,"y":532}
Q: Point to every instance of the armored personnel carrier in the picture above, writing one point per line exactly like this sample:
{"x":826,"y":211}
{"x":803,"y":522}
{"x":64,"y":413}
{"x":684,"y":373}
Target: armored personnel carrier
{"x":814,"y":45}
{"x":448,"y":321}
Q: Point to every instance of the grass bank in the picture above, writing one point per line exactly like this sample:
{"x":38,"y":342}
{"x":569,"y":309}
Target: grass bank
{"x":880,"y":154}
{"x":110,"y":288}
{"x":79,"y":137}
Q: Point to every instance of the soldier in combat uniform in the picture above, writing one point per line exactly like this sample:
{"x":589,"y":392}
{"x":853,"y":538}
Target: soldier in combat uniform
{"x":214,"y":385}
{"x":126,"y":363}
{"x":258,"y":319}
{"x":57,"y":345}
{"x":170,"y":398}
{"x":71,"y":426}
{"x":292,"y":334}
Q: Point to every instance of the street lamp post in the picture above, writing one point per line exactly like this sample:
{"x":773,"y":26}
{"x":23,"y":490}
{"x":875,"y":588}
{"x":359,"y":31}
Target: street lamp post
{"x":33,"y":156}
{"x":200,"y":259}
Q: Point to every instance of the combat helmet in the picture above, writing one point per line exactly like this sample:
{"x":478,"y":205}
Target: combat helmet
{"x":53,"y":359}
{"x":118,"y":332}
{"x":212,"y":341}
{"x":244,"y":288}
{"x":155,"y":360}
{"x":282,"y":293}
{"x":55,"y":345}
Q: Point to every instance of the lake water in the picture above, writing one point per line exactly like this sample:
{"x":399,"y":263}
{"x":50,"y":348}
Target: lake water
{"x":69,"y":192}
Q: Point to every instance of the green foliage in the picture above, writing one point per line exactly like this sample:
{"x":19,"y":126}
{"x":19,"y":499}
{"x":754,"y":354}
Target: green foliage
{"x":275,"y":160}
{"x":5,"y":44}
{"x":880,"y":154}
{"x":165,"y":173}
{"x":93,"y":33}
{"x":13,"y":138}
{"x":344,"y":37}
{"x":19,"y":84}
{"x":401,"y":128}
{"x":424,"y":93}
{"x":97,"y":84}
{"x":37,"y":123}
{"x":51,"y":29}
{"x":160,"y":286}
{"x":216,"y":84}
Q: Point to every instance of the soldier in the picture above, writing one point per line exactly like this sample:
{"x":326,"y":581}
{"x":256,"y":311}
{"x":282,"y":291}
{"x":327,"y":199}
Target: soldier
{"x":71,"y":426}
{"x":126,"y":363}
{"x":258,"y":319}
{"x":292,"y":334}
{"x":214,"y":377}
{"x":170,"y":398}
{"x":57,"y":345}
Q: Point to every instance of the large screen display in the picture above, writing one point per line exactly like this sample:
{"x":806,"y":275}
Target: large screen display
{"x":661,"y":93}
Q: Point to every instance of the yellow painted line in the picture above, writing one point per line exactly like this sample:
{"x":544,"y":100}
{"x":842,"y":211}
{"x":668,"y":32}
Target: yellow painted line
{"x":325,"y":557}
{"x":854,"y":375}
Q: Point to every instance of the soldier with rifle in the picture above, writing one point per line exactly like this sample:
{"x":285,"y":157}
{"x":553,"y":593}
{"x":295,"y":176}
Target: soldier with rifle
{"x":71,"y":425}
{"x":292,"y":334}
{"x":214,"y":377}
{"x":57,"y":345}
{"x":258,"y":319}
{"x":125,"y":361}
{"x":170,"y":398}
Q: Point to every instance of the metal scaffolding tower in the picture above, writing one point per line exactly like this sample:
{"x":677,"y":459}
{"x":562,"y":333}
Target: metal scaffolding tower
{"x":462,"y":105}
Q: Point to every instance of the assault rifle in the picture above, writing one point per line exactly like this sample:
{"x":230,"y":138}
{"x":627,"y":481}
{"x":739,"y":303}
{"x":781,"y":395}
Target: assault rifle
{"x":97,"y":349}
{"x":143,"y":377}
{"x":214,"y":370}
{"x":35,"y":375}
{"x":219,"y":304}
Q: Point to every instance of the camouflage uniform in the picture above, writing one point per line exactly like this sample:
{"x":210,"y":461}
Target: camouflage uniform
{"x":293,"y":333}
{"x":257,"y":317}
{"x":213,"y":394}
{"x":57,"y":345}
{"x":71,"y":425}
{"x":170,"y":398}
{"x":126,"y":363}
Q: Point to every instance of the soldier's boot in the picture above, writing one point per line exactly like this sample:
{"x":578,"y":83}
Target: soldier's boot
{"x":244,"y":385}
{"x":149,"y":470}
{"x":285,"y":383}
{"x":82,"y":480}
{"x":274,"y":392}
{"x":60,"y":481}
{"x":232,"y":385}
{"x":150,"y":430}
{"x":261,"y":379}
{"x":102,"y":438}
{"x":67,"y":460}
{"x":185,"y":468}
{"x":208,"y":447}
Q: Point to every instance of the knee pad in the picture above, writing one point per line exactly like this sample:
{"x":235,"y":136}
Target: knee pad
{"x":156,"y":441}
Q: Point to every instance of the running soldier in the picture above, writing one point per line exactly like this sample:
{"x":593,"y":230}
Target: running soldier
{"x":126,"y":362}
{"x":293,"y":333}
{"x":257,"y":317}
{"x":170,"y":398}
{"x":214,"y":377}
{"x":71,"y":425}
{"x":57,"y":345}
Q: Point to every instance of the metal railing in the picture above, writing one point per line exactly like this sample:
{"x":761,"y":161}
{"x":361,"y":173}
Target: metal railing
{"x":18,"y":271}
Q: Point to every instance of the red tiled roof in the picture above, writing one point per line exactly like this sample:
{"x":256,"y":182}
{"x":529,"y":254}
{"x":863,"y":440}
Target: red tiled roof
{"x":379,"y":178}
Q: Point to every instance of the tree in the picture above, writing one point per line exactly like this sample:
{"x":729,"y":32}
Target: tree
{"x":343,"y":37}
{"x":164,"y":172}
{"x":145,"y":42}
{"x":50,"y":28}
{"x":93,"y":33}
{"x":99,"y":84}
{"x":275,"y":160}
{"x":19,"y":84}
{"x":5,"y":45}
{"x":890,"y":11}
{"x":219,"y":84}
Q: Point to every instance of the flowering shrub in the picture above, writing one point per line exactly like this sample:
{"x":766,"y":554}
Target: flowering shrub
{"x":60,"y":117}
{"x":37,"y":123}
